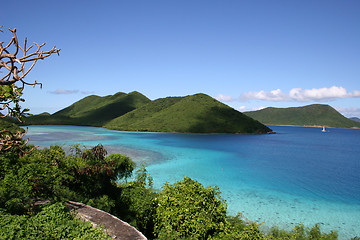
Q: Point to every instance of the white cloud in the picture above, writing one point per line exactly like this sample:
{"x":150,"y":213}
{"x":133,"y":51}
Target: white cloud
{"x":66,"y":91}
{"x":242,"y":109}
{"x":224,"y":98}
{"x":321,"y":94}
{"x":87,"y":92}
{"x":302,"y":95}
{"x":275,"y":95}
{"x":246,"y":109}
{"x":258,"y":108}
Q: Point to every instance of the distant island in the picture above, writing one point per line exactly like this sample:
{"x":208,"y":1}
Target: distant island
{"x":356,"y":119}
{"x":197,"y":113}
{"x":311,"y":115}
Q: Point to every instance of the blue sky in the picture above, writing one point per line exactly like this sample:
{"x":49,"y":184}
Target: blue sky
{"x":248,"y":54}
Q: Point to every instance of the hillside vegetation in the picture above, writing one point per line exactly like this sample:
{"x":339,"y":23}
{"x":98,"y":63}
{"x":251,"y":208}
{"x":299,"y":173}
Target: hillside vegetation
{"x":197,"y":113}
{"x":92,"y":110}
{"x":311,"y":115}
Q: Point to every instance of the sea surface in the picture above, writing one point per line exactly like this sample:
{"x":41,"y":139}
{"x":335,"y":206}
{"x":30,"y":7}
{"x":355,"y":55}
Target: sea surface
{"x":299,"y":175}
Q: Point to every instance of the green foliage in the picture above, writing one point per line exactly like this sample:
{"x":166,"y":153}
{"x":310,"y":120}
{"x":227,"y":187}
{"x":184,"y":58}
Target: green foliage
{"x":136,"y":202}
{"x":13,"y":94}
{"x":311,"y":115}
{"x":300,"y":232}
{"x":197,"y":113}
{"x":83,"y":175}
{"x":86,"y":175}
{"x":52,"y":222}
{"x":237,"y":228}
{"x":189,"y":210}
{"x":25,"y":179}
{"x":93,"y":110}
{"x":94,"y":173}
{"x":8,"y":161}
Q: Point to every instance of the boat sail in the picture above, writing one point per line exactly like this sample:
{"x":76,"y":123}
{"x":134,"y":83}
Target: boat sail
{"x":323,"y":130}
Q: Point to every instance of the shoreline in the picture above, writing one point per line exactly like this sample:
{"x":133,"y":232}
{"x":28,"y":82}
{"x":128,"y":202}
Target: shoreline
{"x":136,"y":131}
{"x":310,"y":126}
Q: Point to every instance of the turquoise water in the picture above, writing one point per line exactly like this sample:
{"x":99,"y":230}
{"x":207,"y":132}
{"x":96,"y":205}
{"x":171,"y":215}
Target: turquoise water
{"x":299,"y":175}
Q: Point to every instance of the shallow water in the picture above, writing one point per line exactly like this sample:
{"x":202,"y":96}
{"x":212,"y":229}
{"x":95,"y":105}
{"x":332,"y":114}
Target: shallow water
{"x":297,"y":175}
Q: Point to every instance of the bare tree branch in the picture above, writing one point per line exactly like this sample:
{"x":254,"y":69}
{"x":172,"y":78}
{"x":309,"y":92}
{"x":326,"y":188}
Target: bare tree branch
{"x":10,"y":140}
{"x":13,"y":70}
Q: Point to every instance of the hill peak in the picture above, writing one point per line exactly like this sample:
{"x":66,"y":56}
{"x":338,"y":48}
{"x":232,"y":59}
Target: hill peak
{"x":309,"y":115}
{"x":198,"y":113}
{"x":94,"y":110}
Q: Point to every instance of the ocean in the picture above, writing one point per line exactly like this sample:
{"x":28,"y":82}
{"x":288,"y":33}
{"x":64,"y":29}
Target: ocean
{"x":298,"y":175}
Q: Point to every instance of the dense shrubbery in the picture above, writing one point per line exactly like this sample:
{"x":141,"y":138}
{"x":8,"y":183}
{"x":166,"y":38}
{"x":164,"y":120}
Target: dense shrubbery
{"x":84,"y":175}
{"x":52,"y":222}
{"x":136,"y":202}
{"x":183,"y":210}
{"x":187,"y":209}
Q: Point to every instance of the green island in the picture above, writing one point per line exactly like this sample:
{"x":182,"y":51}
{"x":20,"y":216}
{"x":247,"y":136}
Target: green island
{"x":197,"y":113}
{"x":315,"y":115}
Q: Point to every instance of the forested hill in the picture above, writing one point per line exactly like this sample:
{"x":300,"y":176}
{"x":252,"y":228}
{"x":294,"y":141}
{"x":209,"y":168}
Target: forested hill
{"x":197,"y":113}
{"x":93,"y":110}
{"x":311,"y":115}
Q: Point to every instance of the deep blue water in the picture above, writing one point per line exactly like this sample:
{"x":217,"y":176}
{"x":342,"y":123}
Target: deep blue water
{"x":297,"y":175}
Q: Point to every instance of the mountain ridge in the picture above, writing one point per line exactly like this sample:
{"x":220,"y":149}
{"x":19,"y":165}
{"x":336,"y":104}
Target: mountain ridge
{"x":93,"y":110}
{"x":198,"y":113}
{"x":309,"y":115}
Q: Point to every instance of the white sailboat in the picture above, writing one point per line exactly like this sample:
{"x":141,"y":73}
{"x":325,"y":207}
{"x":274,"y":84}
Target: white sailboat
{"x":323,"y":130}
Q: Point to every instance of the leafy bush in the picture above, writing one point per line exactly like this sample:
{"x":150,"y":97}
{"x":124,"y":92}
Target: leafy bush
{"x":188,"y":210}
{"x":85,"y":175}
{"x":237,"y":228}
{"x":300,"y":232}
{"x":136,"y":202}
{"x":53,"y":222}
{"x":92,"y":174}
